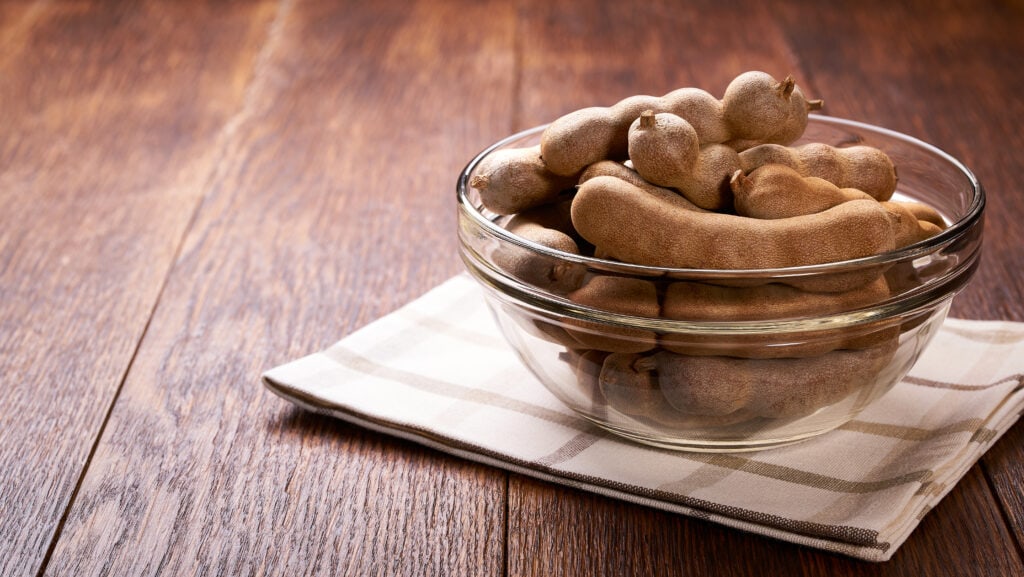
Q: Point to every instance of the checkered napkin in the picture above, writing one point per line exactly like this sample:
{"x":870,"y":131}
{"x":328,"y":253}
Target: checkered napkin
{"x":438,"y":372}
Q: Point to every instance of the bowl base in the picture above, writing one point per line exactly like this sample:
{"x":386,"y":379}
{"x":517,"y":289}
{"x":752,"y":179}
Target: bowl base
{"x":697,"y":445}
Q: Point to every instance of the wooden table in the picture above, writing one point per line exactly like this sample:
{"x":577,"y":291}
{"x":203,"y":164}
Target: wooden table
{"x":193,"y":192}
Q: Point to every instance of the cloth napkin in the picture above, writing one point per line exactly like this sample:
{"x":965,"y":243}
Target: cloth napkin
{"x":438,"y":372}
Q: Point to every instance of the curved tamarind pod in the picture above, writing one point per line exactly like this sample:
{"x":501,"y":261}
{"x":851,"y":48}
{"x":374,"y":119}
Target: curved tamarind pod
{"x":512,"y":180}
{"x":623,"y":172}
{"x":547,"y":226}
{"x":693,"y":301}
{"x":629,"y":384}
{"x":665,"y":150}
{"x":861,"y":167}
{"x":773,"y":388}
{"x":778,"y":191}
{"x":622,"y":295}
{"x":753,"y":99}
{"x":759,"y":109}
{"x":924,"y":213}
{"x":638,"y":228}
{"x":585,"y":136}
{"x":698,"y":301}
{"x":907,"y":229}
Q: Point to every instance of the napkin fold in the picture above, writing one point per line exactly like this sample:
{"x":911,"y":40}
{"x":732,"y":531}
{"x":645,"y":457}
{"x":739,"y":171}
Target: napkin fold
{"x":438,"y":372}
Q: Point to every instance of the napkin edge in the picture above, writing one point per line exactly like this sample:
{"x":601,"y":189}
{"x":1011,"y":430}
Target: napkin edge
{"x":873,"y":552}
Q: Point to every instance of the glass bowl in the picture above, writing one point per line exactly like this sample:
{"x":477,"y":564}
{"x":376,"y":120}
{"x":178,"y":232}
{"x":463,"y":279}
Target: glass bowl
{"x":729,"y":360}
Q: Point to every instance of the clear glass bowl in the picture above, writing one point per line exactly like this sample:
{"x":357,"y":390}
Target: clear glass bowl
{"x":749,"y":358}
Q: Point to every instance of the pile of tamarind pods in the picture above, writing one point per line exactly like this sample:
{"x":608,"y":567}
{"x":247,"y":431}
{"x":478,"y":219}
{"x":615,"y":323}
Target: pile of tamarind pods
{"x":689,"y":181}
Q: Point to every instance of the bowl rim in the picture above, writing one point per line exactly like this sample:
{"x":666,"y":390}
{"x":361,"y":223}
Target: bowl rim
{"x":973,"y":214}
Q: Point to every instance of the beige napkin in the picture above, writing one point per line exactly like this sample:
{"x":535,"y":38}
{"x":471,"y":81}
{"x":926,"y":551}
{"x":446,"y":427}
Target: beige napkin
{"x":438,"y":372}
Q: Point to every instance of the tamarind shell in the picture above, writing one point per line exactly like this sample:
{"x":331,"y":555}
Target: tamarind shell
{"x":759,"y":109}
{"x":638,"y":228}
{"x":512,"y":180}
{"x":907,"y":229}
{"x":779,"y":191}
{"x":629,"y":383}
{"x":772,"y":388}
{"x":631,"y":296}
{"x":860,"y":167}
{"x":623,"y":172}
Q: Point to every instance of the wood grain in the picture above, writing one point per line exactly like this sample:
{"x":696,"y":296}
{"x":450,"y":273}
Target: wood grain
{"x":332,"y":204}
{"x":109,"y":119}
{"x":619,"y":49}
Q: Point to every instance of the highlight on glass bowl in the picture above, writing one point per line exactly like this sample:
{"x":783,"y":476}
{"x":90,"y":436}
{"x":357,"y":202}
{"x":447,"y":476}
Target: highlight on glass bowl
{"x":718,"y":275}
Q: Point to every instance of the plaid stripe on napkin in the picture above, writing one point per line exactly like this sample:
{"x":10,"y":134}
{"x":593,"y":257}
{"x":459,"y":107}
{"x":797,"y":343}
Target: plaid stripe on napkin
{"x":439,"y":373}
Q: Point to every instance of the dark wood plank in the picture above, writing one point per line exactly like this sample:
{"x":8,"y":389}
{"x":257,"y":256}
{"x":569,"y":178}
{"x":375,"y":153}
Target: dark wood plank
{"x":574,"y":533}
{"x":949,"y":73}
{"x":109,"y":118}
{"x":595,"y":53}
{"x":332,"y":205}
{"x":618,"y":50}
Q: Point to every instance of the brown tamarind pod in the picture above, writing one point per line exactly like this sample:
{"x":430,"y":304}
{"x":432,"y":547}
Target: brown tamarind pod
{"x":641,"y":229}
{"x":864,"y":168}
{"x":907,"y":229}
{"x":585,"y":136}
{"x":665,"y":150}
{"x":924,"y":213}
{"x":698,"y":301}
{"x":589,"y":135}
{"x":778,"y":191}
{"x":551,"y":227}
{"x":701,"y":302}
{"x":759,"y":109}
{"x":621,"y":171}
{"x":512,"y":180}
{"x":771,"y":388}
{"x":629,"y":388}
{"x":630,"y":385}
{"x":623,"y":295}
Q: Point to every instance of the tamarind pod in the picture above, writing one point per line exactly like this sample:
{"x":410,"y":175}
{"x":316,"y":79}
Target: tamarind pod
{"x":512,"y":180}
{"x":907,"y":229}
{"x":694,"y":301}
{"x":752,"y":101}
{"x":631,"y":296}
{"x":778,"y":191}
{"x":629,"y":384}
{"x":623,"y":172}
{"x":542,"y":225}
{"x":698,"y":301}
{"x":861,"y":167}
{"x":588,"y":135}
{"x":708,"y":184}
{"x":792,"y":345}
{"x":556,"y":215}
{"x":665,"y":150}
{"x":772,"y":388}
{"x":758,"y":109}
{"x":639,"y":228}
{"x":629,"y":390}
{"x":924,"y":213}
